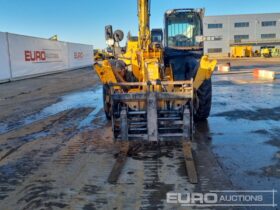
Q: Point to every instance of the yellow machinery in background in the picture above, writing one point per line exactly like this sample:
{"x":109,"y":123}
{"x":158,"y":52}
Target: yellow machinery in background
{"x":275,"y":52}
{"x":153,"y":93}
{"x":241,"y":51}
{"x":265,"y":52}
{"x":54,"y":38}
{"x":268,"y":52}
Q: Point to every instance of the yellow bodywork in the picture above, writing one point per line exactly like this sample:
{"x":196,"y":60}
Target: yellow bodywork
{"x":204,"y":72}
{"x":105,"y":72}
{"x":152,"y":73}
{"x":130,"y":57}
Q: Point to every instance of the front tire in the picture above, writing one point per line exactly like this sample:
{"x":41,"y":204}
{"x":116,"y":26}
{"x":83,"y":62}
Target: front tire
{"x":106,"y":102}
{"x":204,"y":94}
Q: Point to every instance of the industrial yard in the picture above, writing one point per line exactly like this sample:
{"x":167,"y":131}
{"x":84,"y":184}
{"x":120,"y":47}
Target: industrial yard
{"x":57,"y":149}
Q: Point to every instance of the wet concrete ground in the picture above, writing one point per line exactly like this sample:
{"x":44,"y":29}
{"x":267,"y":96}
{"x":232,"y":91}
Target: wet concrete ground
{"x":56,"y":148}
{"x":245,"y":130}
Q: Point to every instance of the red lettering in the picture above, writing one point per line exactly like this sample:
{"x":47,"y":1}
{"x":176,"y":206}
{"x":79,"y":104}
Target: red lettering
{"x":34,"y":55}
{"x":78,"y":55}
{"x":37,"y":55}
{"x":27,"y":55}
{"x":43,"y":55}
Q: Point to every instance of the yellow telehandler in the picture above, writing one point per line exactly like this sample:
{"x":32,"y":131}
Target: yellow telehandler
{"x":153,"y":92}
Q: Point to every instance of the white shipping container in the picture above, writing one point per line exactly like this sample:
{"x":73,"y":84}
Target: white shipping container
{"x":35,"y":56}
{"x":4,"y":58}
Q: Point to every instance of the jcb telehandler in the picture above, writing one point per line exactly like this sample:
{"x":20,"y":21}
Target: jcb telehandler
{"x":153,"y":92}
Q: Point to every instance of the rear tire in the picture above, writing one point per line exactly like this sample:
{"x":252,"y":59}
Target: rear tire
{"x":204,"y":94}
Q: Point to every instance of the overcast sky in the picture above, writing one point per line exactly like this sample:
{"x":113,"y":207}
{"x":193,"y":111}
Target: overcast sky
{"x":83,"y":21}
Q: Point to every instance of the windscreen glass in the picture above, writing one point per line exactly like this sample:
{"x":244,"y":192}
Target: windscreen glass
{"x":156,"y":37}
{"x":182,"y":28}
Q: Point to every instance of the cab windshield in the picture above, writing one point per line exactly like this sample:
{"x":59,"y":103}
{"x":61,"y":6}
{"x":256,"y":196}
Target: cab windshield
{"x":182,"y":28}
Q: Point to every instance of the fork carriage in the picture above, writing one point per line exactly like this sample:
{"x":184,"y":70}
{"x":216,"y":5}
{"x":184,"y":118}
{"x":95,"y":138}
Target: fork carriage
{"x":152,"y":115}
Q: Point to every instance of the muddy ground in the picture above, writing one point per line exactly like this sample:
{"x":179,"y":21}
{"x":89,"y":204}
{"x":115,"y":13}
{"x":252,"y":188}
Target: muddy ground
{"x":56,"y":148}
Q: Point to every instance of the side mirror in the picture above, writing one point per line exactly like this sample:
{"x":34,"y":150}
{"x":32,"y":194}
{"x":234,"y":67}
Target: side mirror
{"x":108,"y":32}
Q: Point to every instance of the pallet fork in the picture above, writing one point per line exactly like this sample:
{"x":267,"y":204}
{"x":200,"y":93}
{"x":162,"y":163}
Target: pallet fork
{"x":153,"y":123}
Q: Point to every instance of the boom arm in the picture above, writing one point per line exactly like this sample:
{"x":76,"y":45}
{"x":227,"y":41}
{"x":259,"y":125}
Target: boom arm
{"x":144,"y":24}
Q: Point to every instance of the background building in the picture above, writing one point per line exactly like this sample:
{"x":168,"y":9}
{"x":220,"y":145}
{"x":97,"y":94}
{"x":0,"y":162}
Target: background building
{"x":257,"y":30}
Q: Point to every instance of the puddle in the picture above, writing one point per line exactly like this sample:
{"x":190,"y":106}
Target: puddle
{"x":253,"y":115}
{"x":3,"y":128}
{"x":84,"y":99}
{"x":88,"y":121}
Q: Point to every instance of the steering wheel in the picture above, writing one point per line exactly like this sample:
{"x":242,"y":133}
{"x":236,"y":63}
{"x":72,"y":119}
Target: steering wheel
{"x":181,"y":38}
